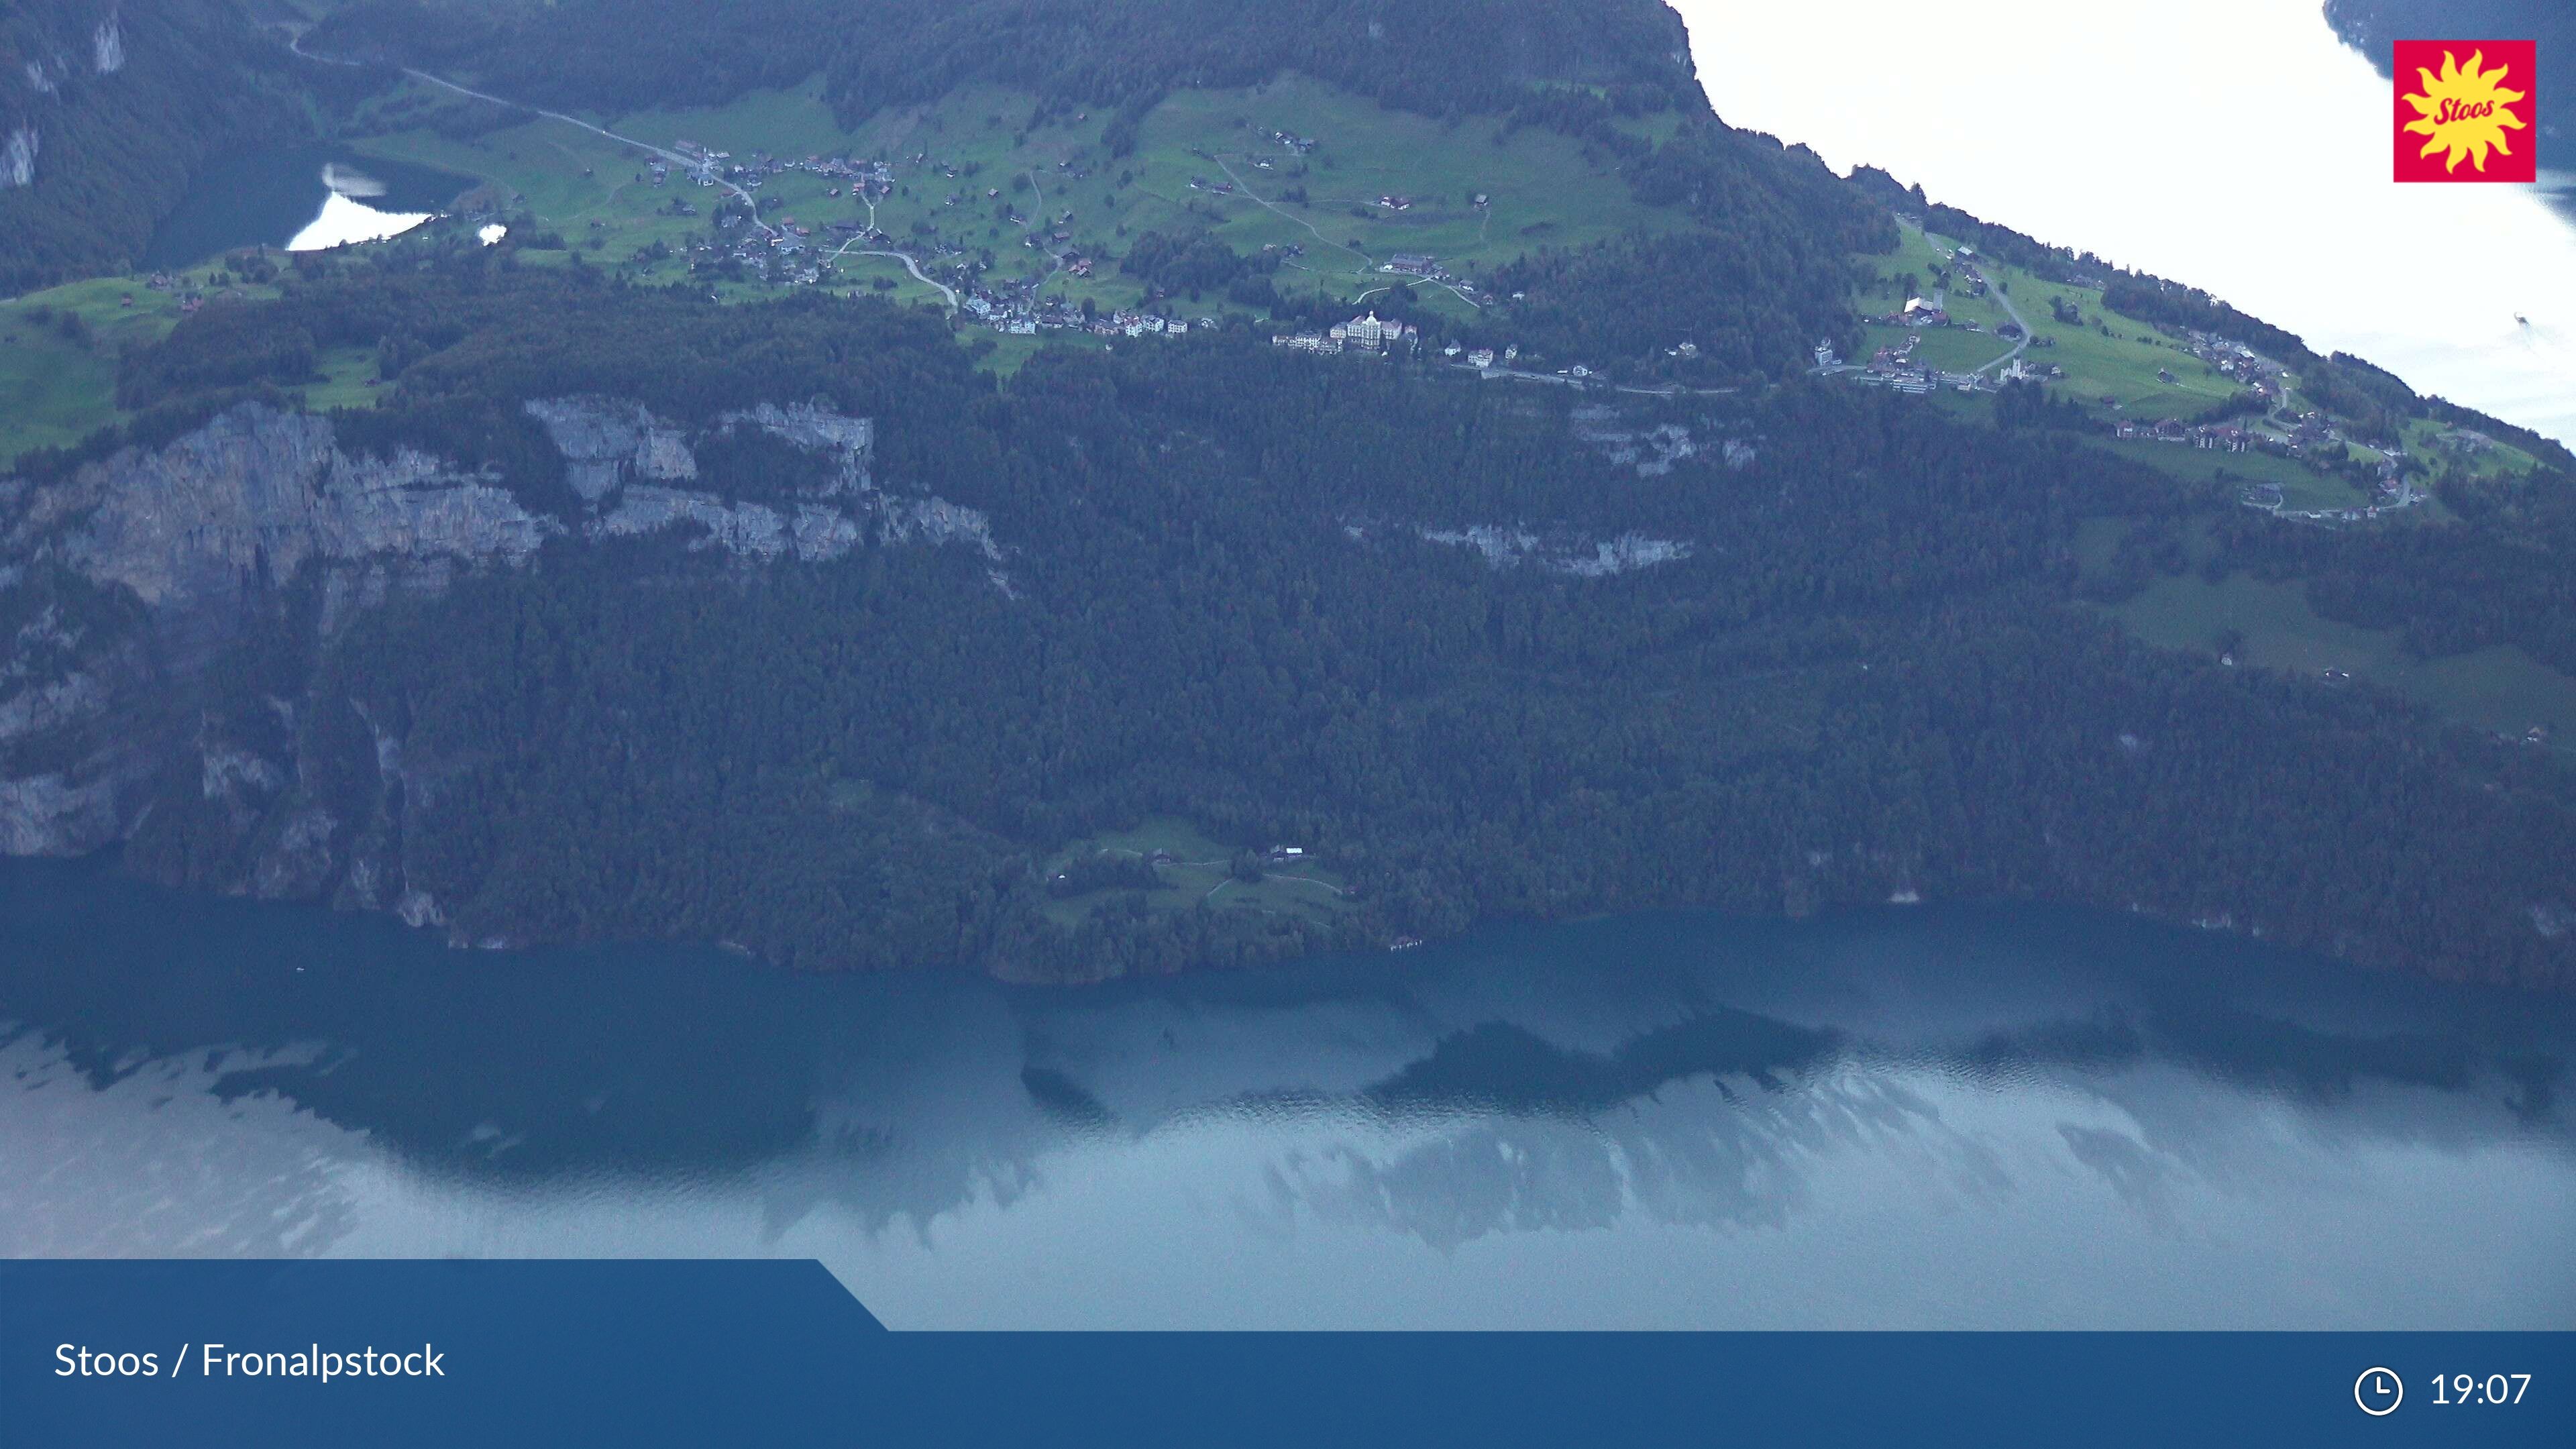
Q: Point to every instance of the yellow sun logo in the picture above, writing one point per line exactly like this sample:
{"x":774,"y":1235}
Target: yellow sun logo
{"x":2463,"y":111}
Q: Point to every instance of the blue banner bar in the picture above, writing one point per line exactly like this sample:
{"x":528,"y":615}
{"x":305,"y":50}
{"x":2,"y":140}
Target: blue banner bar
{"x":648,"y":1353}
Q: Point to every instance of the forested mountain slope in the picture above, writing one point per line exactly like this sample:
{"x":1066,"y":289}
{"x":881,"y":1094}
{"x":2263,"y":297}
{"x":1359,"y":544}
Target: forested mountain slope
{"x":538,"y":592}
{"x":648,"y":664}
{"x":1450,"y":57}
{"x":106,"y":110}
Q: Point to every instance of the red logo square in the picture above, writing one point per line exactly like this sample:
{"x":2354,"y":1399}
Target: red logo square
{"x":2465,"y":110}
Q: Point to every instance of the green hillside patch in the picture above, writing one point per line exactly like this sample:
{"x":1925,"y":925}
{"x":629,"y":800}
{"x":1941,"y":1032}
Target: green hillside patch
{"x":348,"y":380}
{"x":2498,"y":688}
{"x":1540,"y":188}
{"x":1949,"y":349}
{"x":2302,"y":488}
{"x":53,"y":389}
{"x":2108,"y":355}
{"x":2104,"y":356}
{"x":2465,"y":450}
{"x":980,"y":179}
{"x":58,"y":351}
{"x":1190,"y":871}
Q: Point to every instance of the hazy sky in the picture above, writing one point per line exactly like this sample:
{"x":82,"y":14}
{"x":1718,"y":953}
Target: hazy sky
{"x":2231,"y":144}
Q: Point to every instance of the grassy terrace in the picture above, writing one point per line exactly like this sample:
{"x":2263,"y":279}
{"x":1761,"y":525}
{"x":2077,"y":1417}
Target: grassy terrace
{"x":2498,"y":688}
{"x":58,"y":379}
{"x":1199,"y":872}
{"x":2302,"y":487}
{"x":1543,"y":188}
{"x":2107,"y":356}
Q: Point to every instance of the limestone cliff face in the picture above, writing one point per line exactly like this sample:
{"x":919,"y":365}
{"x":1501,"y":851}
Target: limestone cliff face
{"x":631,"y":468}
{"x":132,"y":577}
{"x":128,"y":590}
{"x":247,"y":501}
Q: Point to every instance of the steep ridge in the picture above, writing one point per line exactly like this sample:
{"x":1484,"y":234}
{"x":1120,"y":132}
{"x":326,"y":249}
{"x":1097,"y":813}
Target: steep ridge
{"x":138,"y":573}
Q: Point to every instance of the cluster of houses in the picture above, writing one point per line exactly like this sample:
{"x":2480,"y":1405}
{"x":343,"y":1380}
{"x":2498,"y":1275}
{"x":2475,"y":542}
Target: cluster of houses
{"x":190,"y":298}
{"x":771,"y":252}
{"x":1915,"y":313}
{"x":2224,"y":437}
{"x":1897,"y":369}
{"x":863,"y":178}
{"x":2239,"y":363}
{"x":1369,"y":333}
{"x":1429,"y":269}
{"x":1017,"y":311}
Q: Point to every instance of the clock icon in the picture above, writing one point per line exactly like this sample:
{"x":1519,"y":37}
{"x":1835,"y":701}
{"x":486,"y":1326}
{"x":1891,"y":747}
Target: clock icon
{"x":2378,"y":1392}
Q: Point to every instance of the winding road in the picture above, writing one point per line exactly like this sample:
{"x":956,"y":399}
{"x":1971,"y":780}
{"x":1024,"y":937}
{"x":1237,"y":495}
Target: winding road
{"x":295,"y":43}
{"x":2003,"y":300}
{"x":909,"y":265}
{"x":1368,"y":264}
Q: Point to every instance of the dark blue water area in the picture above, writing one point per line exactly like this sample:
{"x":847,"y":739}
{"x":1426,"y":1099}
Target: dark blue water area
{"x":264,"y":197}
{"x":1567,"y":1124}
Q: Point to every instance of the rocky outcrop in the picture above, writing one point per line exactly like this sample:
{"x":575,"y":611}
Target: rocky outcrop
{"x":130,"y":579}
{"x":608,"y":444}
{"x":1652,"y":451}
{"x":129,"y":589}
{"x":246,"y":502}
{"x":1582,"y":557}
{"x":625,"y":463}
{"x":817,"y":430}
{"x":18,"y":156}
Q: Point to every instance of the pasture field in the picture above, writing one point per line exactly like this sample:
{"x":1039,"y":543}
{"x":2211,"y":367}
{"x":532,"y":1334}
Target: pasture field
{"x":2109,"y":355}
{"x":2441,"y":444}
{"x":2106,"y":356}
{"x":58,"y":378}
{"x":979,"y":175}
{"x":2496,"y":688}
{"x":1951,"y":349}
{"x":2302,"y":487}
{"x":1199,"y":872}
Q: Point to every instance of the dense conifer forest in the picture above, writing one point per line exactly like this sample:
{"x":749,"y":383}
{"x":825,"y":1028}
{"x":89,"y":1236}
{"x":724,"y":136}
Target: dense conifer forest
{"x":124,"y":104}
{"x":1478,"y":648}
{"x":1869,"y":671}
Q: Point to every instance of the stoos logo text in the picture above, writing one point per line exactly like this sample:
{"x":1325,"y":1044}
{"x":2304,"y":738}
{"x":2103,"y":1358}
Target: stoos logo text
{"x":2466,"y":101}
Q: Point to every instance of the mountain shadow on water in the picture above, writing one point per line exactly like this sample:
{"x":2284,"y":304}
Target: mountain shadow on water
{"x":1500,"y":1067}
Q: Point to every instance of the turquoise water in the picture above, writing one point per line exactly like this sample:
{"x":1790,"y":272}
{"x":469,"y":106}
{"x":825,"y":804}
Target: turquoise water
{"x":270,"y":197}
{"x":1948,"y":1116}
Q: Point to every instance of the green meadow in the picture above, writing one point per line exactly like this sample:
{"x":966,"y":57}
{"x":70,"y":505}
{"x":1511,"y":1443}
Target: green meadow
{"x":58,"y":378}
{"x":2108,"y":356}
{"x":975,"y":175}
{"x":2497,"y":688}
{"x":2302,"y":487}
{"x":1199,"y":873}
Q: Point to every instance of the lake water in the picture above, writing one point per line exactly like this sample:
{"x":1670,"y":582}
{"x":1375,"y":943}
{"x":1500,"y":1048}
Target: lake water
{"x":1940,"y":1117}
{"x":304,"y":198}
{"x":2235,"y":145}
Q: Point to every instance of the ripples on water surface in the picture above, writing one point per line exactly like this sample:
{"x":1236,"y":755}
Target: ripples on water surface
{"x":1982,"y":1117}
